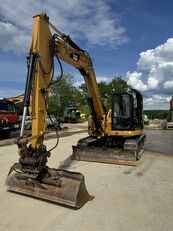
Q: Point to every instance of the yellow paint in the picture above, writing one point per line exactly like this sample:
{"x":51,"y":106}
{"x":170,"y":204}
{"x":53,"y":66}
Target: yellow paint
{"x":41,"y":37}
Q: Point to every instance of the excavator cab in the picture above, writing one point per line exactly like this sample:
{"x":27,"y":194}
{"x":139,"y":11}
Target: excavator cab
{"x":123,"y":138}
{"x":127,"y":107}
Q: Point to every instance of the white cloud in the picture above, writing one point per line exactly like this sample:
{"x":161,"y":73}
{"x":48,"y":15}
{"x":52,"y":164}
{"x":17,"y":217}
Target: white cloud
{"x":78,"y":83}
{"x":98,"y":78}
{"x":103,"y":78}
{"x":157,"y":102}
{"x":135,"y":81}
{"x":168,"y":84}
{"x":91,"y":21}
{"x":13,"y":38}
{"x":6,"y":92}
{"x":152,"y":83}
{"x":157,"y":99}
{"x":154,"y":69}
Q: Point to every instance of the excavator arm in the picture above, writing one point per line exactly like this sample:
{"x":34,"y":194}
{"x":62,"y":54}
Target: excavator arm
{"x":44,"y":47}
{"x":38,"y":78}
{"x":80,"y":59}
{"x":31,"y":175}
{"x":69,"y":52}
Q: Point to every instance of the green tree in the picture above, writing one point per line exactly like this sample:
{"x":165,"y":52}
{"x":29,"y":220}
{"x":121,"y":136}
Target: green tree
{"x":63,"y":93}
{"x":105,"y":90}
{"x":156,"y":114}
{"x":117,"y":83}
{"x":83,"y":93}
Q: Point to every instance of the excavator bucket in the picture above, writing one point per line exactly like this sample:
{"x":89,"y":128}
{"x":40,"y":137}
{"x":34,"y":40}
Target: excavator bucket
{"x":72,"y":191}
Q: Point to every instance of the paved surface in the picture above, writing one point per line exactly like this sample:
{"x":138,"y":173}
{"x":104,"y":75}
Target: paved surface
{"x":126,"y":198}
{"x":159,"y":141}
{"x":67,"y":130}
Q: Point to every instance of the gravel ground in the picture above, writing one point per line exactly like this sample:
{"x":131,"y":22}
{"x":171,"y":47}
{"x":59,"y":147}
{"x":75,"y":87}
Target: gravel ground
{"x":126,"y":198}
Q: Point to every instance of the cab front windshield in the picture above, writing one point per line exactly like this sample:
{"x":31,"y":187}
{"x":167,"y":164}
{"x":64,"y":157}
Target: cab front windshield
{"x":6,"y":107}
{"x":121,"y":111}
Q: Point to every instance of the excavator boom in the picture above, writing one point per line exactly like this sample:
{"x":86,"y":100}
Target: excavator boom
{"x":31,"y":175}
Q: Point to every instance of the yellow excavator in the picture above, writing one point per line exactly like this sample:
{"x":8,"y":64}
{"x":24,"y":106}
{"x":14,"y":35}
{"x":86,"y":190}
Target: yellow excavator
{"x":115,"y":135}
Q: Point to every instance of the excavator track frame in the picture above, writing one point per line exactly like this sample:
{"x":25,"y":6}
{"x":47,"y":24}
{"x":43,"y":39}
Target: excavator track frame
{"x":129,"y":155}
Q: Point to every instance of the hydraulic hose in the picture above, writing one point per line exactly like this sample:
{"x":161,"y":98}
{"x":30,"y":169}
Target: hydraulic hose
{"x":28,"y":88}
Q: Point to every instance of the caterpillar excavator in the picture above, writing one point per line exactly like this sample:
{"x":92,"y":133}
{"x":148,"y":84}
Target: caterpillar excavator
{"x":115,"y":135}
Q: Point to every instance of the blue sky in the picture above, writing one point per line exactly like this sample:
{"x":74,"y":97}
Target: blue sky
{"x":131,"y":38}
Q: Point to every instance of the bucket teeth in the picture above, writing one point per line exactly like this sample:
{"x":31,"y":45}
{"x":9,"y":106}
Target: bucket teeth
{"x":70,"y":191}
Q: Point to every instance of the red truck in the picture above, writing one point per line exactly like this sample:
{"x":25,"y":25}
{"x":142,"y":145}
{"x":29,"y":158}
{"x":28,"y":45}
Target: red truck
{"x":9,"y":119}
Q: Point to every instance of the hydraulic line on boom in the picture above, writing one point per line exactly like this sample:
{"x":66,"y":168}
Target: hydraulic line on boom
{"x":31,"y":175}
